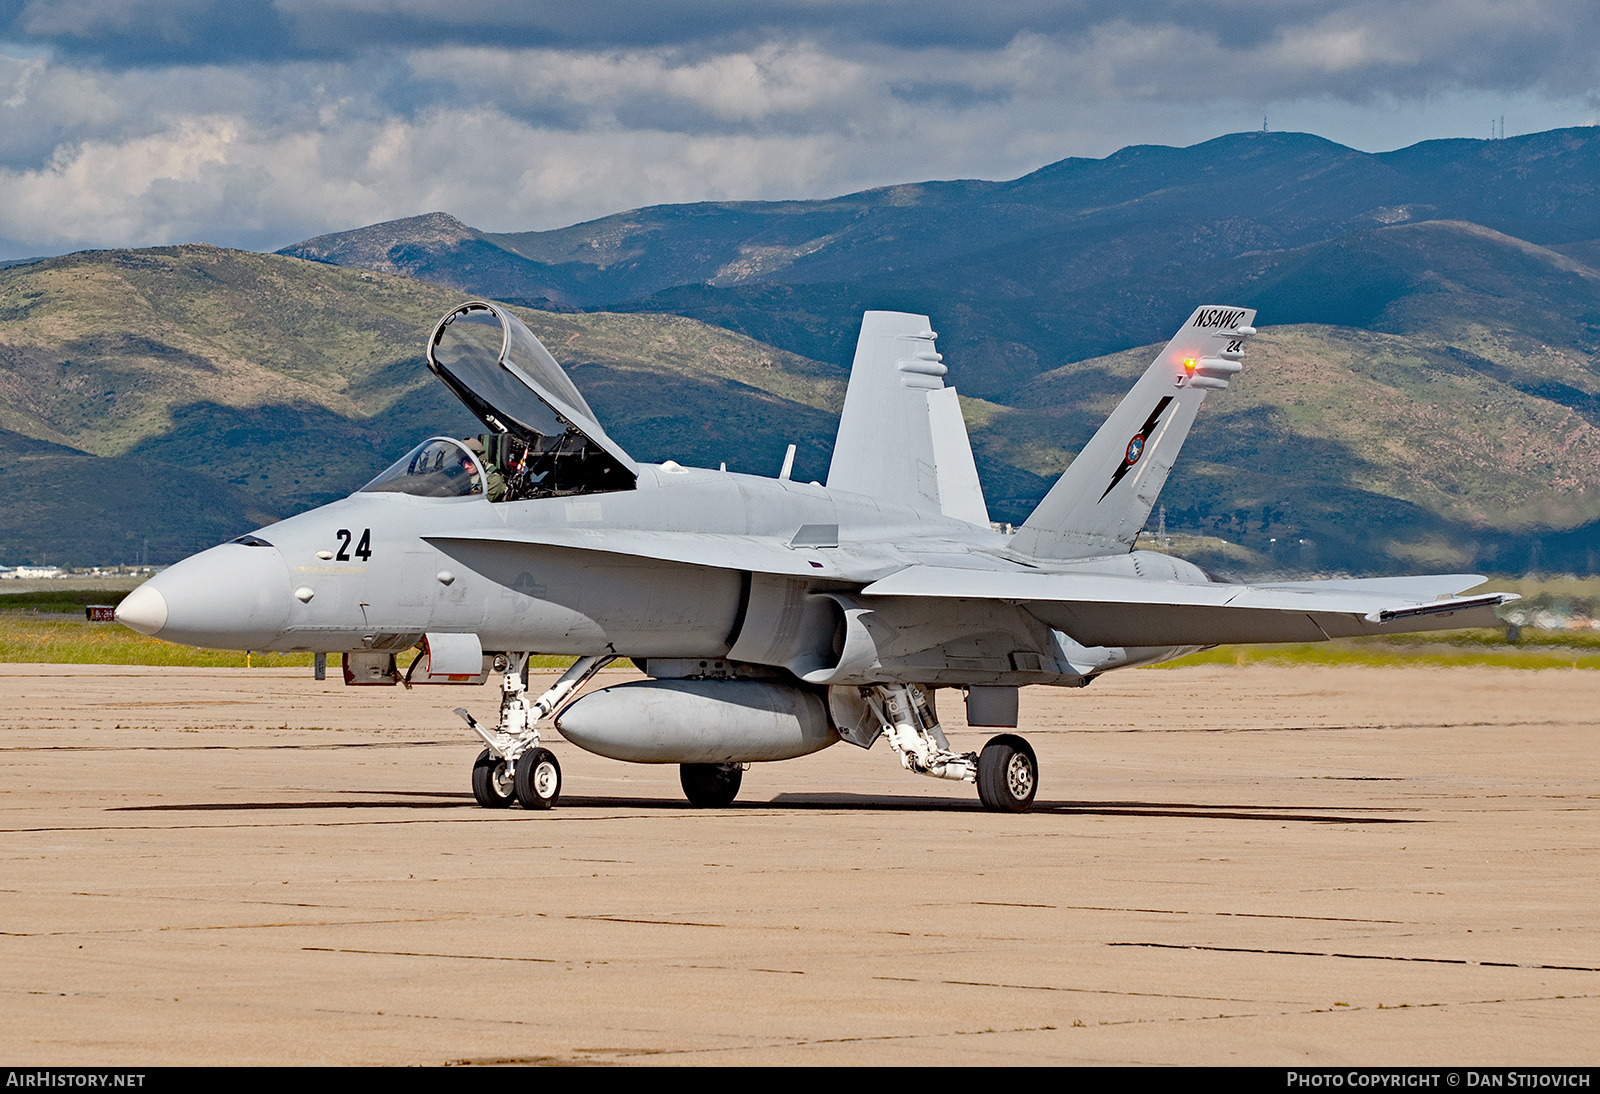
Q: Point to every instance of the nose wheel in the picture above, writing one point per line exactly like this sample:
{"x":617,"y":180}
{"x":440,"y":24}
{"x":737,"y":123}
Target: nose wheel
{"x":493,"y":785}
{"x":538,"y":780}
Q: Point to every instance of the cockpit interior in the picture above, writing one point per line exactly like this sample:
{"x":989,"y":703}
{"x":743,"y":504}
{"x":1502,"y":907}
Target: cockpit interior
{"x":543,"y":441}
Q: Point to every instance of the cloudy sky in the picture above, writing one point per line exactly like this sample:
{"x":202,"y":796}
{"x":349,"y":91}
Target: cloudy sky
{"x":257,"y":123}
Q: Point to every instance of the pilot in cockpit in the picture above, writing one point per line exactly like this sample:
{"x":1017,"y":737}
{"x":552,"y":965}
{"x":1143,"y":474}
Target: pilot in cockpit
{"x":495,"y":482}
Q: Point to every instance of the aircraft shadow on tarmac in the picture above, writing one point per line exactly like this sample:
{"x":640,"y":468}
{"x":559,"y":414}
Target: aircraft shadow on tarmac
{"x":863,"y":802}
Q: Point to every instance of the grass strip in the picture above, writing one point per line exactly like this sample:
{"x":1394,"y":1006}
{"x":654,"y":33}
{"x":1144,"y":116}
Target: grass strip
{"x":68,"y":601}
{"x":1485,"y":649}
{"x":27,"y":639}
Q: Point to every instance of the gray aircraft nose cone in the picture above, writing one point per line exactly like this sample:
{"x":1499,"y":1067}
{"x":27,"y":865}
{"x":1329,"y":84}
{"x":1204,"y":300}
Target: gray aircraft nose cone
{"x":232,"y":597}
{"x":143,"y":610}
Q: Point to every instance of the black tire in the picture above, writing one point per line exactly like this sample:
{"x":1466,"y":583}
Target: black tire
{"x":538,"y":781}
{"x":1008,"y":774}
{"x":710,"y":786}
{"x":489,"y":785}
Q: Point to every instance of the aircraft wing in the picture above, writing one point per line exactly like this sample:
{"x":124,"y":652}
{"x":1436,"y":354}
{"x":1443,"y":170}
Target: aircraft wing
{"x":1103,"y":610}
{"x":1424,"y":587}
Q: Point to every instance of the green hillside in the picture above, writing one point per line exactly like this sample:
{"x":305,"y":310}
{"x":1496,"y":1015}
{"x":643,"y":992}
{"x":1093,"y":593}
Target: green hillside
{"x":178,"y":396}
{"x":1379,"y":451}
{"x":162,"y":400}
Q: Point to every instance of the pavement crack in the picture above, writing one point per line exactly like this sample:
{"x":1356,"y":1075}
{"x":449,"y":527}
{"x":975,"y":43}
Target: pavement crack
{"x":1361,"y":956}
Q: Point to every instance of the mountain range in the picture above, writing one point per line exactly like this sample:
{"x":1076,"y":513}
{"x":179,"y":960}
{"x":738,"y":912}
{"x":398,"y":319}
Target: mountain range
{"x":1080,"y":258}
{"x":1425,"y":389}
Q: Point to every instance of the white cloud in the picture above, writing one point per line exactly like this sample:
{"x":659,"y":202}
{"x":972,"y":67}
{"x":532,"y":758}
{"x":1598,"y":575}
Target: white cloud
{"x":511,"y":138}
{"x":789,"y":84}
{"x":223,"y":179}
{"x":170,"y":18}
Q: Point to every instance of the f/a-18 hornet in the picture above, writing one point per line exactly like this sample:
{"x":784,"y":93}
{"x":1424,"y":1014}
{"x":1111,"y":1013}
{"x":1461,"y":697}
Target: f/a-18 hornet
{"x":771,"y":618}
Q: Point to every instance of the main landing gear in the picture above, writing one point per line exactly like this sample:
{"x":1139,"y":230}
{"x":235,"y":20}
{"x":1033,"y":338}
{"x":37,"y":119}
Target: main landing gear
{"x":1008,"y":774}
{"x":1006,"y":771}
{"x":514,"y":767}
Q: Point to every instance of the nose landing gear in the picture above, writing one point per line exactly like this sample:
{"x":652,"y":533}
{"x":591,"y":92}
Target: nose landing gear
{"x":514,"y":767}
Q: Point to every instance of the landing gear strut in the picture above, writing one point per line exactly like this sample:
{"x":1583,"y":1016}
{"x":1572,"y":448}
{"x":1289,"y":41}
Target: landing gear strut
{"x":1006,"y":773}
{"x":514,"y":767}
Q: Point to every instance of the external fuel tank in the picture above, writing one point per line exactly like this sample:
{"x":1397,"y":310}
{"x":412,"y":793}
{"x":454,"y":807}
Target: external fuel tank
{"x":699,"y":721}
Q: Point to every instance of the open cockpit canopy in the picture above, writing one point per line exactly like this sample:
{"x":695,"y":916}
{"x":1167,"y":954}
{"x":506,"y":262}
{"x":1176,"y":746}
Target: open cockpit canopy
{"x":495,"y":365}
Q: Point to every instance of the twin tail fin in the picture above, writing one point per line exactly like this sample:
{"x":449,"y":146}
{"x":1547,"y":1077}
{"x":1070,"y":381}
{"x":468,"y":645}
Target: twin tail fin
{"x":901,"y":435}
{"x":1102,"y":501}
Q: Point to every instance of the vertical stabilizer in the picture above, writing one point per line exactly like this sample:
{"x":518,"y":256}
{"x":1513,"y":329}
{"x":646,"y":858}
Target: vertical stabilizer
{"x":1101,"y":502}
{"x":901,"y":436}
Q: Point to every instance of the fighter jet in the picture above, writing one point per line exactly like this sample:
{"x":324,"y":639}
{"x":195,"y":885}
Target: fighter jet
{"x":770,"y":618}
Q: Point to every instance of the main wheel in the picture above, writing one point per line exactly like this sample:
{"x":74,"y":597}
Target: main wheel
{"x":710,"y":786}
{"x":538,"y":781}
{"x":491,"y":782}
{"x":1008,"y":774}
